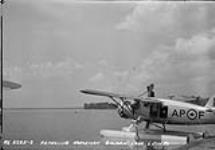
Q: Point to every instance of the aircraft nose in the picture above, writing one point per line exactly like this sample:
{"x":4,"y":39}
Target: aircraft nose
{"x":125,"y":110}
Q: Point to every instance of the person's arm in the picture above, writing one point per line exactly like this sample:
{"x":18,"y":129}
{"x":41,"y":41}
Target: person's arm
{"x":145,"y":92}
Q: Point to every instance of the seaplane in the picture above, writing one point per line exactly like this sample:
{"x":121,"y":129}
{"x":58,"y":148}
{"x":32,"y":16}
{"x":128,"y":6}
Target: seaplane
{"x":159,"y":111}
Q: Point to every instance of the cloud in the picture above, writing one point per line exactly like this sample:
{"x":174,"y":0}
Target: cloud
{"x":197,"y":45}
{"x":103,"y":81}
{"x":186,"y":64}
{"x":121,"y":74}
{"x":164,"y":22}
{"x":145,"y":16}
{"x":183,"y":67}
{"x":44,"y":70}
{"x":61,"y":68}
{"x":13,"y":73}
{"x":97,"y":77}
{"x":103,"y":62}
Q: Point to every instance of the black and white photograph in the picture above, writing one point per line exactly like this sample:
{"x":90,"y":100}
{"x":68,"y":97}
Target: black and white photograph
{"x":107,"y":75}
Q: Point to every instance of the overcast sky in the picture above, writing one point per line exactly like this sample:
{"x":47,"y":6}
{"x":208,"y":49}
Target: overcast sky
{"x":55,"y":48}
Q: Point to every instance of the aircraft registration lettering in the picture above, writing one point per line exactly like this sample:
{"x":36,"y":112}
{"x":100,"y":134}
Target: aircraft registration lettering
{"x":191,"y":114}
{"x":181,"y":113}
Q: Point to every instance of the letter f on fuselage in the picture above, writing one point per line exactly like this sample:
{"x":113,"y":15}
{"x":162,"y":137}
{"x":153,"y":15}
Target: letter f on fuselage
{"x":188,"y":114}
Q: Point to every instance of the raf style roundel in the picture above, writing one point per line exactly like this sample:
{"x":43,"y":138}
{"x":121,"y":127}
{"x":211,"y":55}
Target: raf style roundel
{"x":191,"y":114}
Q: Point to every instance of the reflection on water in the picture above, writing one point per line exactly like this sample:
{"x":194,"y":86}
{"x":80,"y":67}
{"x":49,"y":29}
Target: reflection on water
{"x":44,"y":129}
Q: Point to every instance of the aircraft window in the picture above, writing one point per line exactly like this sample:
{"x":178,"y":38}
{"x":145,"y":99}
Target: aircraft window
{"x":164,"y":112}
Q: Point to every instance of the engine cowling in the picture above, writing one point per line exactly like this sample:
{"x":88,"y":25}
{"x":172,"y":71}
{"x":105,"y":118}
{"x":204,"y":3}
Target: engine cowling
{"x":126,"y":110}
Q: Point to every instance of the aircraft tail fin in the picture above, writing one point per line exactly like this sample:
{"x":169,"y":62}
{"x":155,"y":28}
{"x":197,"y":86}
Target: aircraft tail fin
{"x":211,"y":102}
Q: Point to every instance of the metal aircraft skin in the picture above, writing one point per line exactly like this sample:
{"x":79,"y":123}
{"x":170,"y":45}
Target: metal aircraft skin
{"x":158,"y":110}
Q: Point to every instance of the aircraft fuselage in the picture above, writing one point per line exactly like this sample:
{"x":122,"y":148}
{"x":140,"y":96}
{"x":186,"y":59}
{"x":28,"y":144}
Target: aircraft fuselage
{"x":176,"y":112}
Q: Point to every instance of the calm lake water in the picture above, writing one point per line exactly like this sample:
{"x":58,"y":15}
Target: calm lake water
{"x":35,"y":128}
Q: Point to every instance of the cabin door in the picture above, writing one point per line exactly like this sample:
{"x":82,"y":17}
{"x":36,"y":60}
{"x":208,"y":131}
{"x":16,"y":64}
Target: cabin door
{"x":157,"y":110}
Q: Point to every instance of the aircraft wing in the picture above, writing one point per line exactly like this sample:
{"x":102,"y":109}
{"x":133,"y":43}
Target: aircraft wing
{"x":11,"y":85}
{"x":183,"y":98}
{"x":120,"y":96}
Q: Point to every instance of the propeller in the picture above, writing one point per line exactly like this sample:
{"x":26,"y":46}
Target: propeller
{"x":125,"y":109}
